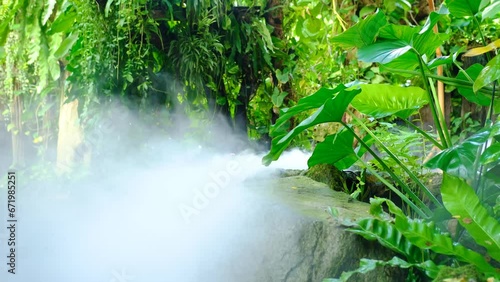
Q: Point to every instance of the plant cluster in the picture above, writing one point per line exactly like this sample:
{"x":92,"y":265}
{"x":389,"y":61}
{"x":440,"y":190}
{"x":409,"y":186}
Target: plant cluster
{"x":469,"y":191}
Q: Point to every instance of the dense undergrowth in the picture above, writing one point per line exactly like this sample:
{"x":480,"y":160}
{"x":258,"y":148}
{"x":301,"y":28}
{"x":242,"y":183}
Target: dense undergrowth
{"x":182,"y":66}
{"x":420,"y":231}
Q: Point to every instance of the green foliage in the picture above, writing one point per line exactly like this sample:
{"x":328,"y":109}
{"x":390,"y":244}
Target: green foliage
{"x":462,"y":202}
{"x":417,"y":240}
{"x":330,"y":104}
{"x":489,"y":74}
{"x":461,"y":160}
{"x":463,"y":8}
{"x":469,"y":166}
{"x":363,"y":33}
{"x":467,"y":92}
{"x":378,"y":100}
{"x":367,"y":265}
{"x":337,"y":149}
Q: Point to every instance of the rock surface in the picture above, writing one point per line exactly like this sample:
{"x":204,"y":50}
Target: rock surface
{"x":298,"y":240}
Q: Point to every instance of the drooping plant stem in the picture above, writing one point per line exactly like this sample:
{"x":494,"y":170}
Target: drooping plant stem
{"x":398,"y":161}
{"x":425,"y":134}
{"x":436,"y":111}
{"x":489,"y":115}
{"x":422,"y":209}
{"x":448,"y":80}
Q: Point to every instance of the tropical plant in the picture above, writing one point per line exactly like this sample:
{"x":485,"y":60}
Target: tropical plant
{"x":409,"y":50}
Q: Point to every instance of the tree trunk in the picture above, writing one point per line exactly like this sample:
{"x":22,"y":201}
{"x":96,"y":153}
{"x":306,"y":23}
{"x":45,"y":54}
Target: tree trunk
{"x":16,"y":110}
{"x":70,"y":135}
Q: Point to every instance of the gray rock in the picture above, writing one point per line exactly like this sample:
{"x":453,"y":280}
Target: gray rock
{"x":298,"y":240}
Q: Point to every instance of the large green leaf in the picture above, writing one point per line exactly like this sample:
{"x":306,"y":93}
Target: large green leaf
{"x":337,"y":149}
{"x":383,"y":52}
{"x":462,"y":202}
{"x":388,"y":236}
{"x":334,"y":148}
{"x":397,"y":32}
{"x":65,"y":46}
{"x":463,"y":8}
{"x":459,"y":160}
{"x":382,"y":100}
{"x":331,"y":110}
{"x":426,"y":43}
{"x":408,"y":61}
{"x":361,"y":34}
{"x":490,"y":73}
{"x":491,"y":11}
{"x":48,"y":9}
{"x":431,"y":21}
{"x":63,"y":22}
{"x":367,"y":265}
{"x":305,"y":104}
{"x":491,"y":155}
{"x":426,"y":236}
{"x":478,"y":98}
{"x":395,"y":41}
{"x":423,"y":40}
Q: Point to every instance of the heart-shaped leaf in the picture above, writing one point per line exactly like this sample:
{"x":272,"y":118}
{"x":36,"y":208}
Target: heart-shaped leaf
{"x":463,"y":8}
{"x":330,"y":104}
{"x":361,"y":34}
{"x":382,"y":100}
{"x":383,"y":52}
{"x":337,"y":149}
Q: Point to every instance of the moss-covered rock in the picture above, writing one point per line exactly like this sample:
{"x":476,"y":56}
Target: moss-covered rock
{"x":330,"y":175}
{"x":467,"y":273}
{"x":299,"y":241}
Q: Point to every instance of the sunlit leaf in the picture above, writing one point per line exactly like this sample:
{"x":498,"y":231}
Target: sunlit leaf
{"x":491,"y":11}
{"x":490,"y":73}
{"x":463,"y":8}
{"x":107,"y":8}
{"x":48,"y":9}
{"x":383,"y":52}
{"x":331,"y":105}
{"x":66,"y":46}
{"x":361,"y":34}
{"x":463,"y":203}
{"x":481,"y":50}
{"x":337,"y":149}
{"x":382,"y":100}
{"x":63,"y":22}
{"x":491,"y":154}
{"x":307,"y":103}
